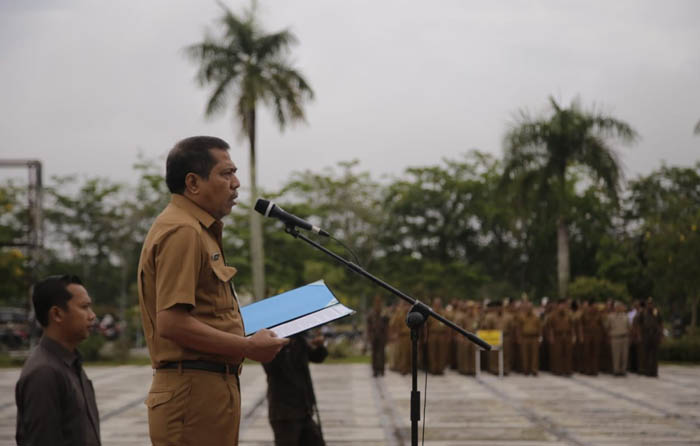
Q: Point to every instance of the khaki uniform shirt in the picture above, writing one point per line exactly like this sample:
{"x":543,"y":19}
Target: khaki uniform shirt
{"x":618,"y":324}
{"x":530,"y":325}
{"x":182,"y":262}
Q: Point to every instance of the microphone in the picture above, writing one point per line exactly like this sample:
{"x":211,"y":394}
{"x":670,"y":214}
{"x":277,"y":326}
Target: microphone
{"x":270,"y":209}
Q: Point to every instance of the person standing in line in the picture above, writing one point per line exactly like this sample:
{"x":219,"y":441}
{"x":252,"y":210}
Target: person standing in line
{"x":452,"y":313}
{"x":605,"y":362}
{"x":561,"y":334}
{"x":189,"y":310}
{"x":290,"y":393}
{"x":577,"y":312}
{"x":466,"y":350}
{"x":437,"y":341}
{"x":633,"y":358}
{"x":510,"y":316}
{"x":397,"y":325}
{"x":651,"y":328}
{"x":618,"y":328}
{"x":547,"y":309}
{"x":593,"y":333}
{"x":529,"y":332}
{"x":377,"y":333}
{"x":55,"y":399}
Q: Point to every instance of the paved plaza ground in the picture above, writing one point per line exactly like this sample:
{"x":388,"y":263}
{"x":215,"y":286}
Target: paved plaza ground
{"x":357,"y":409}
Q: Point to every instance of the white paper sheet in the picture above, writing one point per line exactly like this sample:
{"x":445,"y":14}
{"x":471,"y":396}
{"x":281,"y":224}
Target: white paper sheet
{"x":311,"y":320}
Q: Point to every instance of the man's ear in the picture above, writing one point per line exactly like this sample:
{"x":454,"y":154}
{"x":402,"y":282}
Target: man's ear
{"x":56,"y":314}
{"x":192,"y":181}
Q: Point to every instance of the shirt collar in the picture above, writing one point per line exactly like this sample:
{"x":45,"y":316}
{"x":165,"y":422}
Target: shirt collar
{"x":192,"y":208}
{"x":55,"y":348}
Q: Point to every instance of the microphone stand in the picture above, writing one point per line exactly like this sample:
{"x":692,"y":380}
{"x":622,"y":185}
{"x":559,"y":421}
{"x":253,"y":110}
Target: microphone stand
{"x":415,"y":319}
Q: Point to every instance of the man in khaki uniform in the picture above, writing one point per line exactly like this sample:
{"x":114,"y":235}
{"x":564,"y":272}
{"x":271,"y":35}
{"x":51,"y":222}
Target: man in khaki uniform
{"x":452,"y":313}
{"x":593,"y":333}
{"x":529,"y":332}
{"x":512,"y":312}
{"x":191,"y":318}
{"x":466,"y":350}
{"x":618,"y":327}
{"x":438,"y":342}
{"x":577,"y":312}
{"x":561,"y":335}
{"x":402,"y":340}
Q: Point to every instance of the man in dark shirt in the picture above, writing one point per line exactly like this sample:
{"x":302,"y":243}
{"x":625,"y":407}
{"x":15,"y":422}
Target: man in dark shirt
{"x":55,"y":399}
{"x":290,"y":393}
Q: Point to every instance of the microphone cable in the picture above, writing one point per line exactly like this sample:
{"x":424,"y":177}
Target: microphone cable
{"x":357,"y":260}
{"x":425,"y":388}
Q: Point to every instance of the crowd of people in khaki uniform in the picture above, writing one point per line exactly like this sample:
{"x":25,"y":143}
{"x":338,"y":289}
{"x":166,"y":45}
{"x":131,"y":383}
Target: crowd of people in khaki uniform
{"x":560,"y":337}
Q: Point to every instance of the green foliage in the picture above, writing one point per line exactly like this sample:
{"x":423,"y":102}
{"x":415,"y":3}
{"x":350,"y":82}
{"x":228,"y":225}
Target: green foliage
{"x":685,"y":349}
{"x":88,"y":221}
{"x":601,"y":290}
{"x":540,"y":153}
{"x":90,"y":348}
{"x":14,"y":262}
{"x":341,"y":349}
{"x":665,"y":210}
{"x":13,"y":277}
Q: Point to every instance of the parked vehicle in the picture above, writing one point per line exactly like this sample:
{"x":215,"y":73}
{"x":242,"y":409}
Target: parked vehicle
{"x":14,"y":328}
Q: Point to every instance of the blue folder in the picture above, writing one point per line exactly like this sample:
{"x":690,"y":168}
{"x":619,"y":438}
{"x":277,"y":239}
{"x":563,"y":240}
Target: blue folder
{"x":288,"y":306}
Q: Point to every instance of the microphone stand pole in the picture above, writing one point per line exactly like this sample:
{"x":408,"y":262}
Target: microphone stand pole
{"x":418,"y":314}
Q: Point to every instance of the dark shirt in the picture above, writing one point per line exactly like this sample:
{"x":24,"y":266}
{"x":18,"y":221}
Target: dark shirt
{"x":290,"y":393}
{"x":55,"y":399}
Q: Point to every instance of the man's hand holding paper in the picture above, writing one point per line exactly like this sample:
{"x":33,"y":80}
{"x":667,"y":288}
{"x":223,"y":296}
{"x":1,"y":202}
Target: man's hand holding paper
{"x":264,"y":345}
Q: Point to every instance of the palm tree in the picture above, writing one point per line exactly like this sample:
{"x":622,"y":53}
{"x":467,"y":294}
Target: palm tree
{"x":538,"y":152}
{"x":247,"y":67}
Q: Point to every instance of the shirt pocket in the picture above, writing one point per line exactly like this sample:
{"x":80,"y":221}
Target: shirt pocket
{"x":223,"y":301}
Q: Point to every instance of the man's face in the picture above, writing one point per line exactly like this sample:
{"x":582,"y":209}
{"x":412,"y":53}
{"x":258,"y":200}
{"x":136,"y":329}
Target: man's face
{"x":218,"y":193}
{"x":79,"y":317}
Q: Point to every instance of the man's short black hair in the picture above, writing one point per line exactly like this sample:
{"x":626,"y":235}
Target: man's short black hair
{"x":191,"y":155}
{"x":52,"y":291}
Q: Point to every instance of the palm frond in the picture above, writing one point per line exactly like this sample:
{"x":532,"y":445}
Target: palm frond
{"x":246,"y":66}
{"x":610,"y":127}
{"x":602,"y":161}
{"x":241,"y":31}
{"x":271,"y":45}
{"x":217,"y":100}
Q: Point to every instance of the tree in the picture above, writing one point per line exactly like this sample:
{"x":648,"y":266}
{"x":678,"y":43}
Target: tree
{"x":14,"y":264}
{"x":443,"y":226}
{"x":247,"y":67}
{"x":87,"y":233}
{"x":665,"y":209}
{"x":540,"y":151}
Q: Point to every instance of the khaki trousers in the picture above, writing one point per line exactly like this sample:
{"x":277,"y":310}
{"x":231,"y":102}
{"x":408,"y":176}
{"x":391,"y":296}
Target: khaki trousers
{"x":529,"y":352}
{"x":193,"y":408}
{"x":620,"y":349}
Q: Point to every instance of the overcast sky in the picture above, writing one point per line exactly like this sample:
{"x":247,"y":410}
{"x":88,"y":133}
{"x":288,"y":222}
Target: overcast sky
{"x":85,"y":84}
